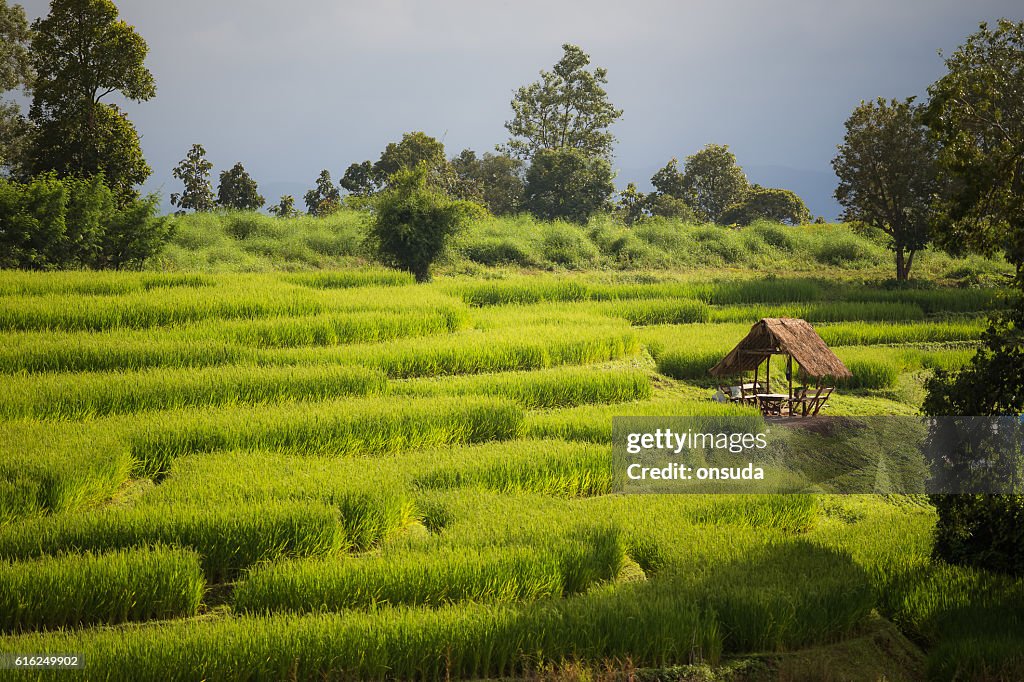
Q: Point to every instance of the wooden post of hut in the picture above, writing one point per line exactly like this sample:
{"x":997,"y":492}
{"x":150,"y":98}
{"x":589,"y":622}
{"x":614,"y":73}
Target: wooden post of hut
{"x":797,"y":340}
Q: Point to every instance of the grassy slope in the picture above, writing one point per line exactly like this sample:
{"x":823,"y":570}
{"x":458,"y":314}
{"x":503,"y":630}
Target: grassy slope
{"x":417,"y":508}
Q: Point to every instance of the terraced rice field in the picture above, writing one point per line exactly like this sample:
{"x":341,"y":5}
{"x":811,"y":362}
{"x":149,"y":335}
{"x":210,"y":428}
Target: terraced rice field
{"x":348,"y":475}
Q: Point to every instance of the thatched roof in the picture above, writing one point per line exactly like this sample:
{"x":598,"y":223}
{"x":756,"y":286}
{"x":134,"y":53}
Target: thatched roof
{"x":774,"y":335}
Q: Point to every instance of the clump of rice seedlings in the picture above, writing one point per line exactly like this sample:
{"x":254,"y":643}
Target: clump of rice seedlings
{"x":836,"y":311}
{"x":877,"y":373}
{"x":656,"y":311}
{"x":866,"y":333}
{"x":689,"y":364}
{"x":475,"y":351}
{"x":945,"y":300}
{"x":772,"y":290}
{"x":467,"y":641}
{"x":153,"y":308}
{"x":228,"y":539}
{"x":76,"y":590}
{"x":344,"y":279}
{"x":95,"y":283}
{"x":48,"y":469}
{"x":583,"y":558}
{"x":547,"y":467}
{"x":88,"y":394}
{"x":37,"y":352}
{"x":500,"y":574}
{"x":373,"y":507}
{"x":365,"y":427}
{"x":593,"y":423}
{"x":351,"y":327}
{"x":560,"y":387}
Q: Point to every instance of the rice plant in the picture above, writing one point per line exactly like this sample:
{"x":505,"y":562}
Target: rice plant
{"x":559,"y":387}
{"x":366,"y":427}
{"x":228,"y":540}
{"x":102,"y":393}
{"x":75,"y":590}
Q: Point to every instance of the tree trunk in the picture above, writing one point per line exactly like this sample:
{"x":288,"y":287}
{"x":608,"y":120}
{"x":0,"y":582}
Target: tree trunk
{"x":901,"y":265}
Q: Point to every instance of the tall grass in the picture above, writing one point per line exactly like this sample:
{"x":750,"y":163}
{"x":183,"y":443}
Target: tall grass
{"x":559,"y":387}
{"x":496,"y":574}
{"x":549,"y":467}
{"x":101,"y":393}
{"x":49,"y":469}
{"x":76,"y":590}
{"x":228,"y":540}
{"x":366,"y":427}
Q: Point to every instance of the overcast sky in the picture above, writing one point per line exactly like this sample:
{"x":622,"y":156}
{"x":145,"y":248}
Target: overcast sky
{"x":289,"y":88}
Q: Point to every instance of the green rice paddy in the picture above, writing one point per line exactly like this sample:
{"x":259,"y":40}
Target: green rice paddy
{"x":345,"y":475}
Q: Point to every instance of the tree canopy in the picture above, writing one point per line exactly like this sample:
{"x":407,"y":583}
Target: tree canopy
{"x":325,"y":198}
{"x":976,"y":113}
{"x":712,"y":181}
{"x":82,"y":52}
{"x":887,"y":175}
{"x":194,"y":172}
{"x":238,"y":190}
{"x":567,"y":184}
{"x":767,"y":203}
{"x":567,"y":108}
{"x":15,"y":72}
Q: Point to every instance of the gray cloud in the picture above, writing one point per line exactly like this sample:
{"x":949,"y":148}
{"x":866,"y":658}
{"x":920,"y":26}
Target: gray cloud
{"x":290,"y":88}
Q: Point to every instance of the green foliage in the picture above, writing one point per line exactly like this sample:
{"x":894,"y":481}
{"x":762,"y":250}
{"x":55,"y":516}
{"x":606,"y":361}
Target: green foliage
{"x":767,"y":203}
{"x":15,"y":60}
{"x":87,"y":589}
{"x":632,"y":204}
{"x":494,"y":180}
{"x":285,"y":208}
{"x":360,"y":179}
{"x":976,"y":112}
{"x":325,"y":198}
{"x":566,"y":184}
{"x":82,"y":52}
{"x":413,"y":223}
{"x":238,"y":190}
{"x":49,"y":223}
{"x":15,"y":71}
{"x":888,"y":176}
{"x":984,"y":530}
{"x":713,"y":181}
{"x":567,"y":109}
{"x":194,"y":173}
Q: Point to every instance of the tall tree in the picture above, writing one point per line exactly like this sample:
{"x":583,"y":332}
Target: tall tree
{"x":887,"y":175}
{"x":567,"y":184}
{"x":238,"y":190}
{"x":194,"y":172}
{"x":494,"y":180}
{"x":567,"y":108}
{"x":976,"y":112}
{"x":82,"y":53}
{"x":767,"y":203}
{"x":713,"y":181}
{"x":15,"y":72}
{"x":325,"y":198}
{"x":285,"y":208}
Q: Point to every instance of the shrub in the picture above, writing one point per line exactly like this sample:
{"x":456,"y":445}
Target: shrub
{"x":51,"y":223}
{"x":412,"y":223}
{"x":566,"y":245}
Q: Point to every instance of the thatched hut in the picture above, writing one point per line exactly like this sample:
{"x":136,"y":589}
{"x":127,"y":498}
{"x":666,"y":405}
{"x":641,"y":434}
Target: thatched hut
{"x":797,"y":340}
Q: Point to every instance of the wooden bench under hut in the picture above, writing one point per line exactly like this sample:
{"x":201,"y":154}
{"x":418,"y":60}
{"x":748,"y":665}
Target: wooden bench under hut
{"x":797,"y":340}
